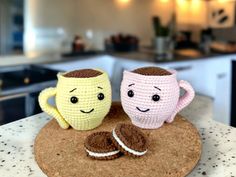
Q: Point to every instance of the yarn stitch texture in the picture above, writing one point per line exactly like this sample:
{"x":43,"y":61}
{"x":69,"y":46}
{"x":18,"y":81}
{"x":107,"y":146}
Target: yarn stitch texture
{"x":155,"y":113}
{"x":86,"y":91}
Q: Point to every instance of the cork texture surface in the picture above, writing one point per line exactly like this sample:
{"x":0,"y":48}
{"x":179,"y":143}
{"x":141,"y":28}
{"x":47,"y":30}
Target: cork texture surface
{"x":174,"y":150}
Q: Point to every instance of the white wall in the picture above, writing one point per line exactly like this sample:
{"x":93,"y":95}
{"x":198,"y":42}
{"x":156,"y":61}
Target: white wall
{"x":47,"y":24}
{"x":106,"y":17}
{"x":48,"y":21}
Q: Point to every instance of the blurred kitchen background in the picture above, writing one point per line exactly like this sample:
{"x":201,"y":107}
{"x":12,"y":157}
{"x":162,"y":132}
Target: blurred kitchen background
{"x":39,"y":38}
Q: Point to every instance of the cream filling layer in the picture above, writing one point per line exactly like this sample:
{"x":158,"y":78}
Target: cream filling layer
{"x":105,"y":154}
{"x":125,"y":147}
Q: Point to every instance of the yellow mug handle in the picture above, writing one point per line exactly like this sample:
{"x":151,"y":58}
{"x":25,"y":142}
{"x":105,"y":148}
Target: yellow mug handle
{"x":49,"y":109}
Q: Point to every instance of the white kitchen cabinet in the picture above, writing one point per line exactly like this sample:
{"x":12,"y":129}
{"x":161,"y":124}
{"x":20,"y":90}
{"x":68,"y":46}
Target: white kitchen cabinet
{"x":220,"y":76}
{"x":119,"y":66}
{"x":210,"y":76}
{"x":193,"y":71}
{"x":105,"y":63}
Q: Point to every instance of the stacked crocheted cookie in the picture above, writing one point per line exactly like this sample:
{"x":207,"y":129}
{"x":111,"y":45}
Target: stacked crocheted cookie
{"x":100,"y":146}
{"x":124,"y":139}
{"x":130,"y":140}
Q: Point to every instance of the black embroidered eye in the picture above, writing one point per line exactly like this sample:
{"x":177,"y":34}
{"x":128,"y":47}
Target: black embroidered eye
{"x":130,"y":93}
{"x":155,"y":97}
{"x":101,"y":96}
{"x":73,"y":99}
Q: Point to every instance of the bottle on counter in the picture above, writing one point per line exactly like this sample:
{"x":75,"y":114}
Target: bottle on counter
{"x":78,"y":44}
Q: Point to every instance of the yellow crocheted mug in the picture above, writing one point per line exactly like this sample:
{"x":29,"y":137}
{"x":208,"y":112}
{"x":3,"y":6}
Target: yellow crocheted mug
{"x":83,"y":99}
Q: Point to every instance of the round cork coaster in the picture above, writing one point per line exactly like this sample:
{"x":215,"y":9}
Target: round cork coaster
{"x":174,"y":150}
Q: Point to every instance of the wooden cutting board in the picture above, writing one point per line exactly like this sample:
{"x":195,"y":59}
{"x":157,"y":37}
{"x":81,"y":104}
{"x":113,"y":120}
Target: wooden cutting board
{"x":174,"y":151}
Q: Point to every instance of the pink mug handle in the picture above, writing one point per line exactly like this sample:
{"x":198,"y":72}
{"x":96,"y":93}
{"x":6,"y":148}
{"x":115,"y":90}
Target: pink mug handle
{"x":184,"y":100}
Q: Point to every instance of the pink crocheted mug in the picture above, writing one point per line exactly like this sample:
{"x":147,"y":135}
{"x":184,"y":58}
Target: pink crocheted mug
{"x":150,"y":100}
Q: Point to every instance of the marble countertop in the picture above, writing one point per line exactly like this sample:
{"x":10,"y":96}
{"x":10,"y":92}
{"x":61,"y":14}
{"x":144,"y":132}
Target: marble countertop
{"x":13,"y":60}
{"x":218,"y":144}
{"x":141,"y":55}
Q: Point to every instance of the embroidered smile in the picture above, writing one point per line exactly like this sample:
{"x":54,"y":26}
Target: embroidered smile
{"x":146,"y":110}
{"x":87,"y":112}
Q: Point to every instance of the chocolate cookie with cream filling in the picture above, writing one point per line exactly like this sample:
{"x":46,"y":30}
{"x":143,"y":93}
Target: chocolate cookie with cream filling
{"x":100,"y":146}
{"x":130,"y":140}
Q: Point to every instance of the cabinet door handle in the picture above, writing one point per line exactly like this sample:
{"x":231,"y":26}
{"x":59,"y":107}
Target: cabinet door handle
{"x":221,"y":75}
{"x":4,"y":98}
{"x":182,"y":68}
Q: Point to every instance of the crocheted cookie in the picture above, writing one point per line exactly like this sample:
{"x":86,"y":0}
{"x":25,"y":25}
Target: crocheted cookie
{"x":100,"y":146}
{"x":130,"y":140}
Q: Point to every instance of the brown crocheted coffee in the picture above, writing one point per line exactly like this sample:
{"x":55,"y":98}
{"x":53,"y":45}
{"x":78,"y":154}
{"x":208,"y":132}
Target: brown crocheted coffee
{"x":100,"y":146}
{"x":152,"y":71}
{"x":83,"y":73}
{"x":132,"y":138}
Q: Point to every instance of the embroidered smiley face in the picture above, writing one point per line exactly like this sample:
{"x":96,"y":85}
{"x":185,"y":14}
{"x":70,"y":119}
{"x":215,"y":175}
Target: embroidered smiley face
{"x":75,"y":100}
{"x":154,"y":97}
{"x":83,"y":100}
{"x":150,"y":96}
